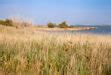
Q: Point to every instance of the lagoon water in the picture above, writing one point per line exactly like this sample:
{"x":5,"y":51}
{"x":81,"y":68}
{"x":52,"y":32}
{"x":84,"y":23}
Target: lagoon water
{"x":100,"y":30}
{"x":104,"y":30}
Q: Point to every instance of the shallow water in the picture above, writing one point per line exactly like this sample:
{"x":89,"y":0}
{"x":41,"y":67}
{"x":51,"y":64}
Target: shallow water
{"x":100,"y":30}
{"x":105,"y":30}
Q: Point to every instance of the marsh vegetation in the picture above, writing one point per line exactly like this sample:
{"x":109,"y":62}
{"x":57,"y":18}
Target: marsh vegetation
{"x":29,"y":52}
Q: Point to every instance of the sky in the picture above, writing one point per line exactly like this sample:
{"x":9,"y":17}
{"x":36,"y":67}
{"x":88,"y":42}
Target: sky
{"x":85,"y":12}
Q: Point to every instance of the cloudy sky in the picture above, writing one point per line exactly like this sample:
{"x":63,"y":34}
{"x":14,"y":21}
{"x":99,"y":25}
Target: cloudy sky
{"x":73,"y":11}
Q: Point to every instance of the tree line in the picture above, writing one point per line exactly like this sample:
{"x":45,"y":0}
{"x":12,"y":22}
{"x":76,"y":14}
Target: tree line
{"x":61,"y":25}
{"x":16,"y":23}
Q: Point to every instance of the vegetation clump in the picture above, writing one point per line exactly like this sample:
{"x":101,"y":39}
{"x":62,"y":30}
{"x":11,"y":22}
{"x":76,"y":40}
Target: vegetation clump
{"x":63,"y":25}
{"x":15,"y":23}
{"x":6,"y":22}
{"x":51,"y":25}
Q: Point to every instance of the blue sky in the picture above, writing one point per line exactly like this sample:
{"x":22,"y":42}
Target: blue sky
{"x":44,"y":11}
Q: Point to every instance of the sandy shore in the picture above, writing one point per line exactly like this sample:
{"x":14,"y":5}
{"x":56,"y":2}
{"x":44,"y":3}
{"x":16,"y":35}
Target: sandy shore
{"x":60,"y":29}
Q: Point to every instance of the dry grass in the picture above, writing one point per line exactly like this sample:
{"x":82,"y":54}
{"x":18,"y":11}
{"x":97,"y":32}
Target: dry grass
{"x":26,"y":52}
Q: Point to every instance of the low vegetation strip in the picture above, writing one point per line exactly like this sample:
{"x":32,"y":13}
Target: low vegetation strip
{"x":15,"y":23}
{"x":44,"y":53}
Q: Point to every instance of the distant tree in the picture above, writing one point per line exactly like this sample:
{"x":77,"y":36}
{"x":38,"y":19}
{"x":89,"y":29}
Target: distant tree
{"x":15,"y":23}
{"x":63,"y":25}
{"x":2,"y":22}
{"x":8,"y":22}
{"x":51,"y":25}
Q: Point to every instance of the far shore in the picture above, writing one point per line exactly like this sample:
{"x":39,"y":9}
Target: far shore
{"x":61,"y":29}
{"x":44,"y":28}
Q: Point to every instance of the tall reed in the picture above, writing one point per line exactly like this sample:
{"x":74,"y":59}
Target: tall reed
{"x":45,"y":53}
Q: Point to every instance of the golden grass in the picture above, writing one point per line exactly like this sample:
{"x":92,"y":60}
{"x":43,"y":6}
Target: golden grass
{"x":31,"y":52}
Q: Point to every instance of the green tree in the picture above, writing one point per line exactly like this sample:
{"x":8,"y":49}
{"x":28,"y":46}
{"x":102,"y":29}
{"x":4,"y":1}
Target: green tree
{"x":2,"y":22}
{"x":50,"y":25}
{"x":63,"y":25}
{"x":8,"y":22}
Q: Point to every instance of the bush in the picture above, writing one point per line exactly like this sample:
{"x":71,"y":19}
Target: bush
{"x":63,"y":25}
{"x":15,"y":23}
{"x":2,"y":22}
{"x":6,"y":22}
{"x":50,"y":25}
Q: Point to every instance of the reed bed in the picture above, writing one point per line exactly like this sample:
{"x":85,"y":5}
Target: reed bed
{"x":46,"y":53}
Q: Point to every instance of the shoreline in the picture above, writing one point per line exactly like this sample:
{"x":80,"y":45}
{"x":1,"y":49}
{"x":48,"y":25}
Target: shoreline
{"x":62,"y":29}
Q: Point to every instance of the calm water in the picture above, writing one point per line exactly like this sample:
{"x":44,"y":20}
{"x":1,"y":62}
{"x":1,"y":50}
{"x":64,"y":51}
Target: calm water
{"x":106,"y":30}
{"x":100,"y":30}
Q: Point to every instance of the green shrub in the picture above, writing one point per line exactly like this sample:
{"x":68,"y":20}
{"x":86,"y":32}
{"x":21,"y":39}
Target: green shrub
{"x":50,"y":25}
{"x":6,"y":22}
{"x":63,"y":25}
{"x":15,"y":23}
